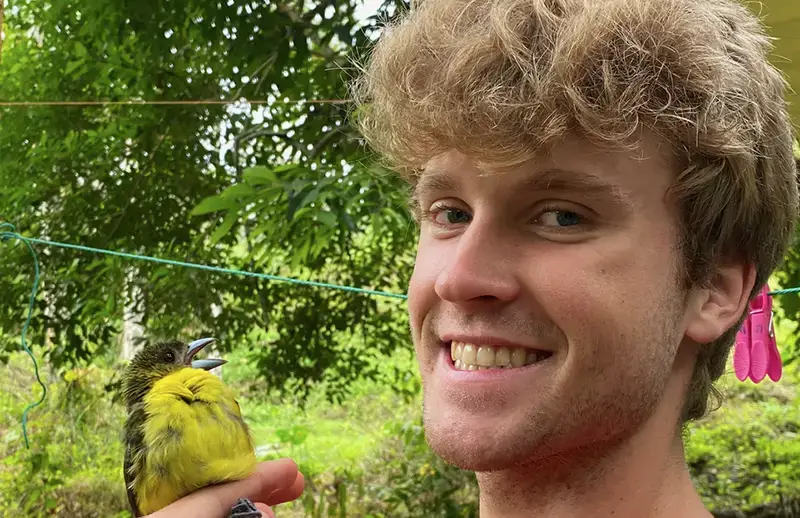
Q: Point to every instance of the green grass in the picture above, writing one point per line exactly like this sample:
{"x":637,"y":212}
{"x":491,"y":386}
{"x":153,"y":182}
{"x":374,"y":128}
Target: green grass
{"x":76,"y":435}
{"x":319,"y":434}
{"x":366,"y":455}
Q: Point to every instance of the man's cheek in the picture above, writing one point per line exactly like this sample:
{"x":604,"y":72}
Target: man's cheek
{"x":430,"y":261}
{"x":421,"y":293}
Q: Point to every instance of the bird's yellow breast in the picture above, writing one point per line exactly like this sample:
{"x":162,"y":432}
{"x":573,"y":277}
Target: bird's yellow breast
{"x":194,"y":436}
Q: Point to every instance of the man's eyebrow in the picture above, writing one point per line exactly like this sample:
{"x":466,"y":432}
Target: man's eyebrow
{"x":555,"y":179}
{"x":433,"y":180}
{"x":563,"y":180}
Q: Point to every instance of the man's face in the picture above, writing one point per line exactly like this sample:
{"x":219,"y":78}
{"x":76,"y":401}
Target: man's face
{"x":566,"y":273}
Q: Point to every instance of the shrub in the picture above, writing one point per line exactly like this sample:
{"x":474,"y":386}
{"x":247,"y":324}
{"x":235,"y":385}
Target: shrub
{"x":744,"y":456}
{"x":74,"y":465}
{"x":747,"y":453}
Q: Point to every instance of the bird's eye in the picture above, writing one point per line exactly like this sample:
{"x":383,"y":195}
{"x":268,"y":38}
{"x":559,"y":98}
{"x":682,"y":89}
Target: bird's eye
{"x":169,"y":356}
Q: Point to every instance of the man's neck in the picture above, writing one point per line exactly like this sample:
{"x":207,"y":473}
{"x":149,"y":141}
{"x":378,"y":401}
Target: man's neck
{"x":643,"y":476}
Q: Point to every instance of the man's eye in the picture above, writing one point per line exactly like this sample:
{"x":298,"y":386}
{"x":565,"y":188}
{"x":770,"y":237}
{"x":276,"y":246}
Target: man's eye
{"x":559,"y":218}
{"x":451,"y":216}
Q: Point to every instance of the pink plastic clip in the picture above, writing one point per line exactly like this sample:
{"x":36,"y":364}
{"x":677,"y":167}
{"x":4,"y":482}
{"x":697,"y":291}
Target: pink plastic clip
{"x":741,"y":351}
{"x":756,"y":352}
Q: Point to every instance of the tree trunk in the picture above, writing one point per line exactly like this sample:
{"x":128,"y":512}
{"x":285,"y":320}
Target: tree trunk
{"x":132,"y":331}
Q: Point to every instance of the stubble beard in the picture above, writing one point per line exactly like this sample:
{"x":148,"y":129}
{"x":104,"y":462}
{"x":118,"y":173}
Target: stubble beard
{"x":556,"y":431}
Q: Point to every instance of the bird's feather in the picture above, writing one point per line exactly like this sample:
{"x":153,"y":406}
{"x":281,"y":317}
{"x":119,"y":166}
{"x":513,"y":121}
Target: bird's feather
{"x":192,"y":435}
{"x":134,"y":453}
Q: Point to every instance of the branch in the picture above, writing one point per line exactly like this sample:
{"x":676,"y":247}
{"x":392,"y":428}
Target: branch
{"x":142,"y":171}
{"x":266,"y":133}
{"x":324,"y":141}
{"x":268,"y":63}
{"x":259,"y":286}
{"x":324,"y":50}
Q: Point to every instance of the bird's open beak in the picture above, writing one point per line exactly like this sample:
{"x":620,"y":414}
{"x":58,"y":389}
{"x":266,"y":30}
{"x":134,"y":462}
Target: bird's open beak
{"x":206,"y":364}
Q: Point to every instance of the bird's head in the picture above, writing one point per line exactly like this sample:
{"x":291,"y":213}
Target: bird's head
{"x":156,"y":360}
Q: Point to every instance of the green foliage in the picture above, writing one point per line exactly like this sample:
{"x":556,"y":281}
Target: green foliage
{"x":401,"y":478}
{"x":413,"y":481}
{"x":747,"y":453}
{"x":365,"y":456}
{"x":73,"y":466}
{"x":284,"y":189}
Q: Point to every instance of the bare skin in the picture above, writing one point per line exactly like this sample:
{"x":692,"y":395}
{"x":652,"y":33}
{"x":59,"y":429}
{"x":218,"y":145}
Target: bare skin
{"x":576,"y":255}
{"x":273,"y":483}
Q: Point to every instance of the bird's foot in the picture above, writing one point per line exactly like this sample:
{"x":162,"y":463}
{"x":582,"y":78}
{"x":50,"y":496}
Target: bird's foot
{"x":244,"y":508}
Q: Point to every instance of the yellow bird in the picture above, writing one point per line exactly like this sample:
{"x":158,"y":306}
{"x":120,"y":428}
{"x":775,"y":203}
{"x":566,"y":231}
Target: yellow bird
{"x":184,"y":429}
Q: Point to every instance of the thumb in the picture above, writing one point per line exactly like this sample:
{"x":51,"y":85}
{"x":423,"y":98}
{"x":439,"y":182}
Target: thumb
{"x":276,"y":477}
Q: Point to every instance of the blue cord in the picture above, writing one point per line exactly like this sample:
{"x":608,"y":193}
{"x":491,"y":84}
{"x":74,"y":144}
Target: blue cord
{"x":4,"y":236}
{"x":8,"y":231}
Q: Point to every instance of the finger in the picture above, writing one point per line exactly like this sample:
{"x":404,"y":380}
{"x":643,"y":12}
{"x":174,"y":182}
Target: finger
{"x":288,"y":494}
{"x":216,"y":501}
{"x":273,"y":476}
{"x":266,"y":512}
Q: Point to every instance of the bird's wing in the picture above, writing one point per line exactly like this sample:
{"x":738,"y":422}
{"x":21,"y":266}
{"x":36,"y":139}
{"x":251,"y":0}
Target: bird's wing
{"x":194,"y":436}
{"x":134,"y":442}
{"x":128,"y":480}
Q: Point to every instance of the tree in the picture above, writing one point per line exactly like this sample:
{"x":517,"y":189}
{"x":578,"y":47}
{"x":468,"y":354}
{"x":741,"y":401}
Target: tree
{"x":283,"y":188}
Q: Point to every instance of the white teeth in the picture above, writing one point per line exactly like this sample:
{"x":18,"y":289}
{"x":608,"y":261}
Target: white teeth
{"x":469,"y":357}
{"x":518,"y":357}
{"x":485,"y":356}
{"x":502,"y":356}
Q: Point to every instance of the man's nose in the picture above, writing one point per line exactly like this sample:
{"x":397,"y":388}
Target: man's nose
{"x":479,"y":268}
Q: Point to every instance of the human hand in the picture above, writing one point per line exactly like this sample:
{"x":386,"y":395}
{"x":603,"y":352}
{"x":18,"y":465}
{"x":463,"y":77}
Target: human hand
{"x":274,"y":482}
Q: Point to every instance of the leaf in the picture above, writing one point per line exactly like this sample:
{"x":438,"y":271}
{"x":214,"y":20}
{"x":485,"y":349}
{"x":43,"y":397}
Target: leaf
{"x":38,"y":461}
{"x":239,"y":190}
{"x":285,"y":168}
{"x":230,"y":219}
{"x":295,"y":435}
{"x":160,"y":272}
{"x":260,"y":175}
{"x":264,"y":228}
{"x":111,"y":304}
{"x":80,"y":49}
{"x":348,"y":221}
{"x":72,"y":66}
{"x":214,"y":203}
{"x":303,"y":200}
{"x":293,"y":205}
{"x":327,"y":218}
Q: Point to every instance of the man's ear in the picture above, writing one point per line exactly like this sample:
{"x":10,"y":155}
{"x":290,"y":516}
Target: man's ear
{"x":717,"y":306}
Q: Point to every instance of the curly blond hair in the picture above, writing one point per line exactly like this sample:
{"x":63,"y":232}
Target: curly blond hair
{"x":501,"y":80}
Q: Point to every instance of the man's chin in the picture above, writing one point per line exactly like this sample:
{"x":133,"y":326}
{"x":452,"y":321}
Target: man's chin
{"x":473,"y":449}
{"x":468,"y":457}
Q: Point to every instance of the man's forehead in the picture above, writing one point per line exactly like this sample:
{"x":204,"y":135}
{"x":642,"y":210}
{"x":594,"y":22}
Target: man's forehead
{"x":572,"y":164}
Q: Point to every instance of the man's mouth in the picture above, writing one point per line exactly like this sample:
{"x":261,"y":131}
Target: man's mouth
{"x":472,"y":357}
